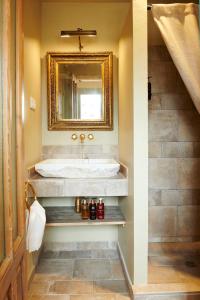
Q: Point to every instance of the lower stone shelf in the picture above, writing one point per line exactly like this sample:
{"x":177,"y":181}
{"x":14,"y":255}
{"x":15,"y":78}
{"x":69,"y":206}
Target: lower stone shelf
{"x":66,"y":216}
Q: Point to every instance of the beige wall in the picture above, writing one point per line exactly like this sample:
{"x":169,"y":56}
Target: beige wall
{"x":126,"y":239}
{"x":32,"y":80}
{"x":174,"y":150}
{"x":80,"y":233}
{"x":133,"y":136}
{"x":140,"y":119}
{"x":108,"y":22}
{"x":132,"y":64}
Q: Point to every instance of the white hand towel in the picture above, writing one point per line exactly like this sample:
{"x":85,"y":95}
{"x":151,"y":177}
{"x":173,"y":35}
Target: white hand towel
{"x":27,"y":218}
{"x":36,"y":227}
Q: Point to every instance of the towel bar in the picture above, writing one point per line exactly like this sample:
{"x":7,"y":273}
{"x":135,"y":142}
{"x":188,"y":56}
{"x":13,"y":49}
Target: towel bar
{"x":27,"y":186}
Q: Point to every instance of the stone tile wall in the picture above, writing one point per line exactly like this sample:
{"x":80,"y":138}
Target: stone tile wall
{"x":174,"y":154}
{"x":76,"y":151}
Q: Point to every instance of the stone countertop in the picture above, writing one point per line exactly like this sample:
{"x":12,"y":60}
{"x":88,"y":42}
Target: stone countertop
{"x":64,"y":187}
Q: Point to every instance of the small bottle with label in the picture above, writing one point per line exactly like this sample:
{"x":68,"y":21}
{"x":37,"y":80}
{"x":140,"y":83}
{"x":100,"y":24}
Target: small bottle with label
{"x":77,"y":205}
{"x":84,"y":210}
{"x":100,"y":209}
{"x":92,"y":209}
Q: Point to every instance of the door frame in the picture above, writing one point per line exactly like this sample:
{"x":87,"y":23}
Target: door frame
{"x":14,"y":249}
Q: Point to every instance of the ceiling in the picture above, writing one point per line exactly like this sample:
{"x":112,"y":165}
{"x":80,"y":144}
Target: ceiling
{"x":108,"y":19}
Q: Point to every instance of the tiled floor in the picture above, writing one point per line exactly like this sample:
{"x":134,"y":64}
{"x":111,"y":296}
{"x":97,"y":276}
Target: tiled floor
{"x":174,"y":263}
{"x":174,"y":272}
{"x":79,"y":275}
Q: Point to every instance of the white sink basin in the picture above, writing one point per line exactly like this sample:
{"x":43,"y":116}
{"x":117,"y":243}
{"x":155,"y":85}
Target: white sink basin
{"x":78,"y":168}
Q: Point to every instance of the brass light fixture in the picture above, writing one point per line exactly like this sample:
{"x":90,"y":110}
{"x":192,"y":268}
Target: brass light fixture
{"x":79,"y":32}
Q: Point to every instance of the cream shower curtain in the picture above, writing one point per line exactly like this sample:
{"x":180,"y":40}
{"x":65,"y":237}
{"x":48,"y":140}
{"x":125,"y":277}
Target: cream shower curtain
{"x":178,"y":24}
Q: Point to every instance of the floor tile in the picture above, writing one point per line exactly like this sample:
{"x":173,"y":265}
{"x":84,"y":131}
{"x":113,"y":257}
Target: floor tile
{"x":42,"y":277}
{"x":167,"y":260}
{"x":178,"y":263}
{"x":108,"y":253}
{"x":174,"y":260}
{"x":50,"y":297}
{"x":155,"y":249}
{"x":72,"y":287}
{"x":110,"y":286}
{"x":50,"y":254}
{"x":56,"y":266}
{"x":189,"y":274}
{"x":75,"y":254}
{"x":116,"y":269}
{"x":163,"y":275}
{"x":70,"y":275}
{"x":181,"y":248}
{"x":39,"y":288}
{"x":101,"y":297}
{"x":82,"y":297}
{"x":92,"y":269}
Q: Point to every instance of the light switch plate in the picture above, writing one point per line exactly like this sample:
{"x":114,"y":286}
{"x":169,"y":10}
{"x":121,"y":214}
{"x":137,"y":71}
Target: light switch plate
{"x":32,"y":103}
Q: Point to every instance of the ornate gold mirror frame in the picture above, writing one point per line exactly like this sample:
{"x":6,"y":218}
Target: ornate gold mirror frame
{"x":53,"y":61}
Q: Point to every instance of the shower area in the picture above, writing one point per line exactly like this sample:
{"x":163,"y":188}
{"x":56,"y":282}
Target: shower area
{"x":174,"y":161}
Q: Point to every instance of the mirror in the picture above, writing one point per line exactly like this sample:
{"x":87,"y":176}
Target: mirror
{"x":80,"y":91}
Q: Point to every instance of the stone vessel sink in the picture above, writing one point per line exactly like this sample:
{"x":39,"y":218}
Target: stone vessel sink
{"x":78,"y":168}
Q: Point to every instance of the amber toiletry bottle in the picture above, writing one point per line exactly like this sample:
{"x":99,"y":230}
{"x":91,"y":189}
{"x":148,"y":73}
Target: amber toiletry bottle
{"x":77,"y":205}
{"x":92,"y":208}
{"x":84,"y":210}
{"x":100,"y":209}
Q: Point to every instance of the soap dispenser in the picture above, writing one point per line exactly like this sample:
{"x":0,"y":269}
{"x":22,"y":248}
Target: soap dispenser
{"x":92,"y":209}
{"x":84,"y":210}
{"x":77,"y":205}
{"x":100,"y":209}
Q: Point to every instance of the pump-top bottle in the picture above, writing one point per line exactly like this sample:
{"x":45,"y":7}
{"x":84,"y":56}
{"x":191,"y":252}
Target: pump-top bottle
{"x":84,"y":210}
{"x":92,"y":209}
{"x":100,"y":209}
